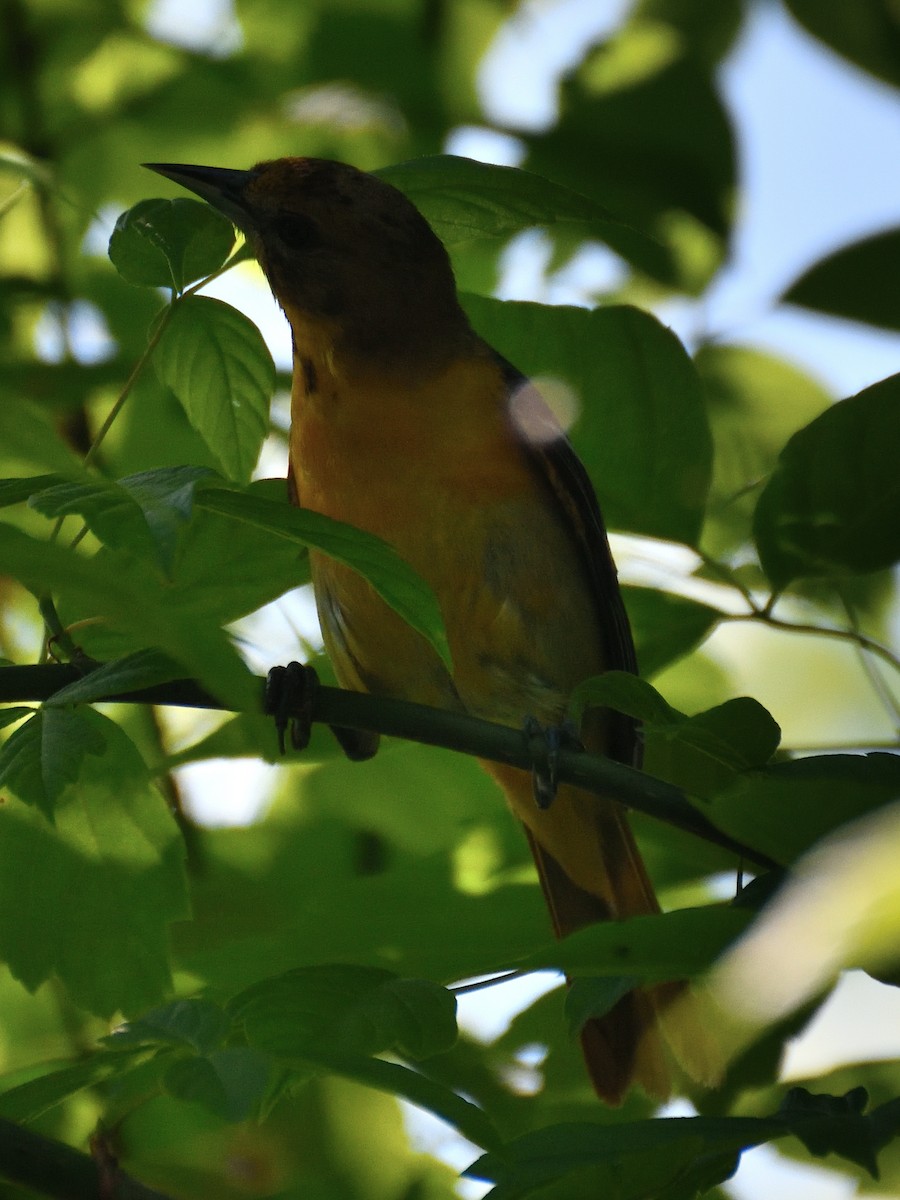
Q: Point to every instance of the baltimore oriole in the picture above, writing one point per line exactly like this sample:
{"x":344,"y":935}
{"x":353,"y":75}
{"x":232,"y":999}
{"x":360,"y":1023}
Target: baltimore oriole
{"x":407,"y":424}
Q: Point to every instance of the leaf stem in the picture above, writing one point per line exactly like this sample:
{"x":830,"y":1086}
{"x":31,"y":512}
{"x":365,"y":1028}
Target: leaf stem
{"x":136,"y":372}
{"x":240,"y":255}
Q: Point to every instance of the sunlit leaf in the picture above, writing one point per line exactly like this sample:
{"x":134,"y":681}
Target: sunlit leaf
{"x":170,"y":243}
{"x":114,"y":590}
{"x":43,"y":756}
{"x":116,"y":848}
{"x":215,"y":361}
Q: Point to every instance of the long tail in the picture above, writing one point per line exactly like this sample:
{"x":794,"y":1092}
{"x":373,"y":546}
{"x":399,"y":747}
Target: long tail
{"x":591,"y":870}
{"x":623,"y":1046}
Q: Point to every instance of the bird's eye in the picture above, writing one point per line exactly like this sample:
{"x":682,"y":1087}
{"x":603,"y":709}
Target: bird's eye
{"x":297,"y":231}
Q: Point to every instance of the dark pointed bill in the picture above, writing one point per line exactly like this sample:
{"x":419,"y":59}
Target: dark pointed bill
{"x":221,"y":187}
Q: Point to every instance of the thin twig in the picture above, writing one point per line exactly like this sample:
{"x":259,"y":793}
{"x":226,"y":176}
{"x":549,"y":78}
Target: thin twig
{"x":463,"y":989}
{"x":844,"y":635}
{"x":879,"y":686}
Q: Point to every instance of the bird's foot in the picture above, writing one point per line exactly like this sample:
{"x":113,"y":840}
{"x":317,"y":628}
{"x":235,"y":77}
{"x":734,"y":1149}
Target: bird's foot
{"x":290,"y":697}
{"x":290,"y":692}
{"x":553,"y":738}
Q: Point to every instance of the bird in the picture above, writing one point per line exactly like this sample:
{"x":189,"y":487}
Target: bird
{"x":405,"y":423}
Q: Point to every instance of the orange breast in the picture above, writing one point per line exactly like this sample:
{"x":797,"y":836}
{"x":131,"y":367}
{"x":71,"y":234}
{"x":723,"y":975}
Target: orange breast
{"x":434,"y":469}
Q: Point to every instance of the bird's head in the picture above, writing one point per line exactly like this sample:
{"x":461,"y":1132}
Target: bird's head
{"x":337,"y":245}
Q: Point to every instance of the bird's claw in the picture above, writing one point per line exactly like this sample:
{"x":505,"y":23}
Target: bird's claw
{"x":545,"y":767}
{"x":289,"y":698}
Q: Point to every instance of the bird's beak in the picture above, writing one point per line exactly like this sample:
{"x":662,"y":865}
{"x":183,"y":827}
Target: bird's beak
{"x":221,"y":187}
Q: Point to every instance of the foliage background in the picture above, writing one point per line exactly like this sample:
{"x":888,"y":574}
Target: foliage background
{"x":345,"y":856}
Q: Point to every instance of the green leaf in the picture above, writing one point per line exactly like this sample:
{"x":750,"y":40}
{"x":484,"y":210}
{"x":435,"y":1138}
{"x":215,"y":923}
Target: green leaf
{"x":674,"y":945}
{"x":169,"y":243}
{"x":196,"y":1022}
{"x":114,"y":589}
{"x":622,"y":139}
{"x":374,"y":559}
{"x":625,"y":693}
{"x":109,"y":512}
{"x":139,"y":670}
{"x":36,"y":1096}
{"x":641,"y":427}
{"x":9,"y":716}
{"x":740,"y":733}
{"x":165,"y":497}
{"x":833,"y":503}
{"x":397,"y":1080}
{"x":253,"y":735}
{"x":710,"y":32}
{"x":836,"y":1125}
{"x":14,"y":491}
{"x":866,"y":32}
{"x":42,"y":757}
{"x":143,"y":513}
{"x":789,"y":806}
{"x":116,"y":850}
{"x":215,"y":361}
{"x":629,"y":1160}
{"x":677,"y":1158}
{"x":665,"y":627}
{"x":855,"y":282}
{"x":701,"y":753}
{"x":28,"y":435}
{"x":231,"y":1082}
{"x":228,"y":568}
{"x":466,"y":201}
{"x":359,"y":1010}
{"x":589,"y":998}
{"x":755,"y":401}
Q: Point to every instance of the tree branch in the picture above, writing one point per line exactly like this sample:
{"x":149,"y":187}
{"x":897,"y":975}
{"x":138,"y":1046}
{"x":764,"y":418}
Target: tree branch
{"x":54,"y":1169}
{"x":432,"y":727}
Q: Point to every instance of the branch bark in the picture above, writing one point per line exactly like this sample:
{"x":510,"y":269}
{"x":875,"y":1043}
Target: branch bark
{"x":430,"y":726}
{"x":53,"y":1169}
